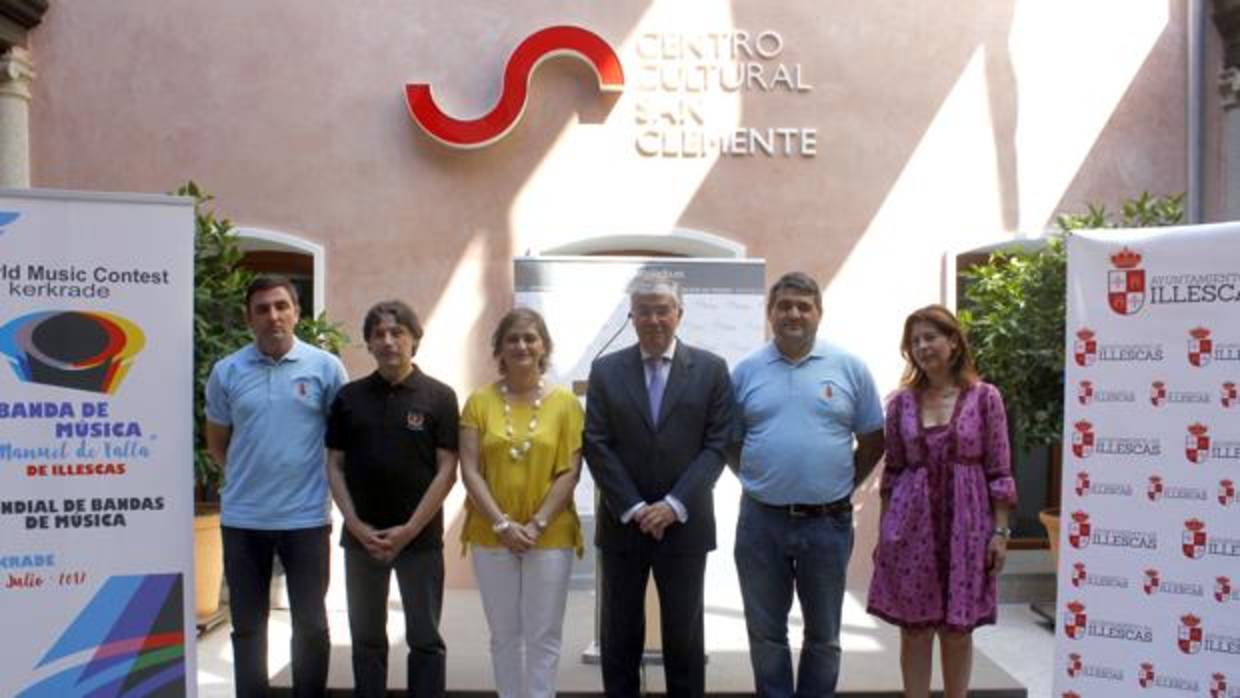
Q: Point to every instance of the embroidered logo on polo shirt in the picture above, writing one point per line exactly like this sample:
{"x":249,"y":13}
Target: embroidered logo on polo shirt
{"x":828,"y":392}
{"x":415,"y":421}
{"x":306,"y":391}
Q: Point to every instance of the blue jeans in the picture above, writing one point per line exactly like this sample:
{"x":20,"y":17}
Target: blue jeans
{"x":248,"y":557}
{"x":775,"y":554}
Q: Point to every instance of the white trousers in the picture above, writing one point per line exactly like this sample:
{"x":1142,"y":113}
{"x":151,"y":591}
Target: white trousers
{"x":523,"y":597}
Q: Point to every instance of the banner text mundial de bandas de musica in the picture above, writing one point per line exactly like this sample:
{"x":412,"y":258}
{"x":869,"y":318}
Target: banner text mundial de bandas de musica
{"x":96,"y":479}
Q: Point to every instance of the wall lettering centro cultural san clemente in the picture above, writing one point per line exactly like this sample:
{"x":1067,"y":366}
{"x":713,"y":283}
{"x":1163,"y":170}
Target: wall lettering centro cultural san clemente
{"x":681,"y":78}
{"x":677,"y":74}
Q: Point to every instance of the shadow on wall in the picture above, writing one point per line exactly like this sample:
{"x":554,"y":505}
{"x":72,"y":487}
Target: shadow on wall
{"x":318,"y":142}
{"x":1125,"y":159}
{"x":482,"y":185}
{"x":870,"y":48}
{"x":880,"y":79}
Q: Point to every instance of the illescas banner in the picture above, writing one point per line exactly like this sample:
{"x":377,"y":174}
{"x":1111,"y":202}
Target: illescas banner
{"x":1149,"y":566}
{"x":96,"y":480}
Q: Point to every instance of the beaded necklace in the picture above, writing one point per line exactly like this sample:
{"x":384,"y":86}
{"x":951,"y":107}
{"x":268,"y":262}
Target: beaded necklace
{"x":518,"y":451}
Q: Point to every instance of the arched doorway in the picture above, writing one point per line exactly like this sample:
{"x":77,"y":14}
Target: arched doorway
{"x":678,"y":242}
{"x":302,"y":261}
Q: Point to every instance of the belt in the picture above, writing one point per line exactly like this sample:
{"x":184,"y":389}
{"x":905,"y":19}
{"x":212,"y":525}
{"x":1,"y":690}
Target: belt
{"x":806,"y":511}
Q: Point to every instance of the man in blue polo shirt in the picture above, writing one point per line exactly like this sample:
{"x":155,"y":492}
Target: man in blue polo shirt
{"x":800,"y":405}
{"x":267,"y":405}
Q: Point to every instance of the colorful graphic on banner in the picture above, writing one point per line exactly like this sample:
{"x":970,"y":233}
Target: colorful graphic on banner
{"x":129,"y":640}
{"x":1126,"y":283}
{"x":1153,"y":361}
{"x":83,"y":350}
{"x":96,"y":475}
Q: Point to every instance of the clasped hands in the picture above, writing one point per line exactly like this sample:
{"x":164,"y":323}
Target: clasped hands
{"x":653,"y":519}
{"x":519,"y":538}
{"x":381,"y":544}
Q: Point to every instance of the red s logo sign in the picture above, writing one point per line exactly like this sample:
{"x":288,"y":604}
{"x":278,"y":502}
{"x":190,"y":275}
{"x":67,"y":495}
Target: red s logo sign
{"x":541,"y":45}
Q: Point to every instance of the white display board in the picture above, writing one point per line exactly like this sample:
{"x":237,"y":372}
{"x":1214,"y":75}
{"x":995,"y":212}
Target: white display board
{"x":1149,"y":565}
{"x":96,"y":438}
{"x":585,"y":303}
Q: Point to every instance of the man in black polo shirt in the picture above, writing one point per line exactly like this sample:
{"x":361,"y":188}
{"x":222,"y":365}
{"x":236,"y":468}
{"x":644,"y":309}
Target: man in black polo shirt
{"x":391,"y":459}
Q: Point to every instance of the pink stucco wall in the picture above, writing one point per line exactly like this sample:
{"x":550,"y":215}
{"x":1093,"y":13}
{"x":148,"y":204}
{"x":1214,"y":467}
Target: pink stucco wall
{"x":292,"y":114}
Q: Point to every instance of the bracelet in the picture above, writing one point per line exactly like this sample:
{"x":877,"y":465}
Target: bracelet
{"x":1003,"y":532}
{"x":540,"y":524}
{"x":503,"y":525}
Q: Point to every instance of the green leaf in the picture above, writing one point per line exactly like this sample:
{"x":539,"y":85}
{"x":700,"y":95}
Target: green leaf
{"x":1012,"y":310}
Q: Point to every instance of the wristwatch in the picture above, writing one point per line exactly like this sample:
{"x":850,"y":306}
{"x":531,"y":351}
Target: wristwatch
{"x":503,"y":525}
{"x":540,"y":524}
{"x":1003,"y":532}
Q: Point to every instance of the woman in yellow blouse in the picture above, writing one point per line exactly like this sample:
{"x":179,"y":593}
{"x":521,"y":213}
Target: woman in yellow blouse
{"x":520,"y":459}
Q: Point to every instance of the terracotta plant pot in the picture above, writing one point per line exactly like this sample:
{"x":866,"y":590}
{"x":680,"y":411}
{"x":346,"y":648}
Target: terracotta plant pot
{"x":1050,"y":519}
{"x":208,"y":561}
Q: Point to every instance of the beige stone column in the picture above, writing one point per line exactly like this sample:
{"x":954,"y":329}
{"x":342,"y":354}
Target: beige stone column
{"x":16,"y":75}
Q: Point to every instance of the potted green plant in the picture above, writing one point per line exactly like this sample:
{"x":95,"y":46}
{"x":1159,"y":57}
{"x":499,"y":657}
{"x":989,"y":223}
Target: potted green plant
{"x":219,"y":322}
{"x":219,"y":328}
{"x":1013,"y":311}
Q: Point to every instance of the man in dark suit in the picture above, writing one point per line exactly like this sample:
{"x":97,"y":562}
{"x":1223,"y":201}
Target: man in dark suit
{"x":658,"y":416}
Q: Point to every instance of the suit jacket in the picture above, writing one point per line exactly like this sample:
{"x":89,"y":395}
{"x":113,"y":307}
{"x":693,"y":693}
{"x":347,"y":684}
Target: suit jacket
{"x":638,"y":457}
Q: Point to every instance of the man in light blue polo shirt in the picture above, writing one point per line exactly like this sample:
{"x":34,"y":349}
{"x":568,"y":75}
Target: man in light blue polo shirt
{"x":267,"y":405}
{"x":800,"y":404}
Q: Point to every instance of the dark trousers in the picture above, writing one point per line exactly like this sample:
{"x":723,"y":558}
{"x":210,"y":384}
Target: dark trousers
{"x":419,"y":575}
{"x":622,"y":621}
{"x":248,"y":557}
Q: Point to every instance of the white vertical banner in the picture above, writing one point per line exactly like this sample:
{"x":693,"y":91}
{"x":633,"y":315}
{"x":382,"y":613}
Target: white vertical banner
{"x":1149,"y":564}
{"x":96,"y":439}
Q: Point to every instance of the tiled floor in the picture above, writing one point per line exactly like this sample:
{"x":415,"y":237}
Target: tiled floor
{"x":1015,"y":652}
{"x":1023,"y":643}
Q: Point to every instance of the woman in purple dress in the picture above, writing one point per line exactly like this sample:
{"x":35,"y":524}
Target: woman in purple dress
{"x":947,"y":489}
